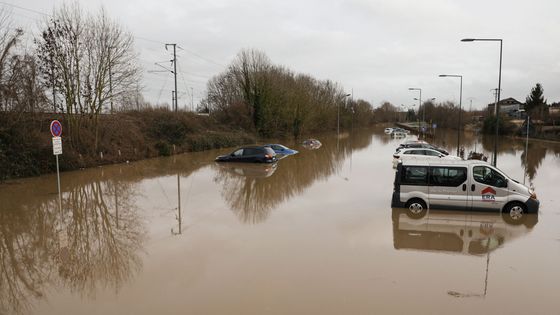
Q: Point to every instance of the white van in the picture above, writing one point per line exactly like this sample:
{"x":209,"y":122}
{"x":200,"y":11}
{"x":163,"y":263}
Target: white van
{"x":460,"y":185}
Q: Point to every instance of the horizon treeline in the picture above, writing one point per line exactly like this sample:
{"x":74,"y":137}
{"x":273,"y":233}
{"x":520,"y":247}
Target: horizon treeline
{"x":255,"y":94}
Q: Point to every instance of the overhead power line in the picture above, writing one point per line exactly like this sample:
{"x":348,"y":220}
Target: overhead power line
{"x":24,"y":9}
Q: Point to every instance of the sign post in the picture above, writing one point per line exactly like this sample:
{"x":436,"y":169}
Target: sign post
{"x":56,"y":131}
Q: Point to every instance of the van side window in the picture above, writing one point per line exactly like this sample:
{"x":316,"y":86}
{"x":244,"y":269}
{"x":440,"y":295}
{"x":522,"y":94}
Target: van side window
{"x":448,"y":176}
{"x":486,"y":175}
{"x":414,"y":175}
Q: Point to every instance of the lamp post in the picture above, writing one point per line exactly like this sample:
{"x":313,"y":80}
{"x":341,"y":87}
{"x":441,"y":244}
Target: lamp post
{"x":460,"y":106}
{"x":338,"y":115}
{"x":419,"y":104}
{"x":497,"y":107}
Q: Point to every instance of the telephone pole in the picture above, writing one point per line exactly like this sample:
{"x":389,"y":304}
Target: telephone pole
{"x":174,"y":101}
{"x":111,"y":80}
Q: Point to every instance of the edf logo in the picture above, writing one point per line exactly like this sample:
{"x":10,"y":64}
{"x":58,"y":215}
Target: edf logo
{"x":488,"y":194}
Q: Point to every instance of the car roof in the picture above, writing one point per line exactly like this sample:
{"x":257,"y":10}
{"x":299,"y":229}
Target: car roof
{"x":410,"y":149}
{"x":415,"y":141}
{"x":420,"y":162}
{"x":251,"y":147}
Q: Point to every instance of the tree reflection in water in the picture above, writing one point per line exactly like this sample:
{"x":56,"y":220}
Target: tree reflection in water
{"x":93,"y":250}
{"x":83,"y":248}
{"x":253,"y":191}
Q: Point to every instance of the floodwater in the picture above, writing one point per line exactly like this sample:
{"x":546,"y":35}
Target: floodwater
{"x":314,"y":234}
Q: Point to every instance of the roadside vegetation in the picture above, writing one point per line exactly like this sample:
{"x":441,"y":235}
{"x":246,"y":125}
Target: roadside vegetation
{"x":82,"y":69}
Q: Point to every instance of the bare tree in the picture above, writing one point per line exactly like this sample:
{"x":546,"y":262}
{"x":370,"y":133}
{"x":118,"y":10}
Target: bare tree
{"x":89,"y":59}
{"x":8,"y":39}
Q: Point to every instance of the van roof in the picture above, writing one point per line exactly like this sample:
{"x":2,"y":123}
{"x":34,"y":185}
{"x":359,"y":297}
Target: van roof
{"x":420,"y":162}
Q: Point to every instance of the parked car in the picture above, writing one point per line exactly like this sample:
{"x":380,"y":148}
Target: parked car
{"x":421,"y":144}
{"x":281,"y":149}
{"x":388,"y":130}
{"x":398,"y":134}
{"x":401,"y":130}
{"x":251,"y":154}
{"x":420,"y":154}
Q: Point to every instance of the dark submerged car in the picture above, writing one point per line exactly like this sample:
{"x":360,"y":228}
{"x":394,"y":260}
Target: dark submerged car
{"x":252,"y":154}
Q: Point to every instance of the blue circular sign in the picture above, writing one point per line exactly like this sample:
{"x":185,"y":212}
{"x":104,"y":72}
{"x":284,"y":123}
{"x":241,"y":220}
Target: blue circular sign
{"x":56,"y":128}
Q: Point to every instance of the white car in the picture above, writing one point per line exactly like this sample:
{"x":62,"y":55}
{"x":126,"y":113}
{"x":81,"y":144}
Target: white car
{"x":388,"y":130}
{"x":420,"y":154}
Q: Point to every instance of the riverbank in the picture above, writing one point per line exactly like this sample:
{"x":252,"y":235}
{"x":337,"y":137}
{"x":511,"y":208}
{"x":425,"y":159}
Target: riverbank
{"x":26,"y":149}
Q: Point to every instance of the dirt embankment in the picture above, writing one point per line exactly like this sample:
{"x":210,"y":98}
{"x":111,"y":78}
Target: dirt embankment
{"x":26,"y":149}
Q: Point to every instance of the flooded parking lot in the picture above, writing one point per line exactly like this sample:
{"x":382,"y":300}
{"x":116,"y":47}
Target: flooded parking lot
{"x":313,"y":234}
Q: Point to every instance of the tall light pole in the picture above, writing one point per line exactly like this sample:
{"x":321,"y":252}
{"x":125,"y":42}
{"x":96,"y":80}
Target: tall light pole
{"x":338,"y":115}
{"x":497,"y":107}
{"x":460,"y":106}
{"x":419,"y":103}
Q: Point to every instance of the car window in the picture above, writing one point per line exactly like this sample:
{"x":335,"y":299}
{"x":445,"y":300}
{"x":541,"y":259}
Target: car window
{"x":431,"y":153}
{"x":277,"y":147}
{"x":238,"y":152}
{"x":419,"y":152}
{"x":488,"y":176}
{"x":414,"y":175}
{"x":447,"y":176}
{"x":250,"y":151}
{"x":269,"y":151}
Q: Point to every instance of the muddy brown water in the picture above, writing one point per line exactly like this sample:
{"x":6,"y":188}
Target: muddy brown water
{"x":314,"y":234}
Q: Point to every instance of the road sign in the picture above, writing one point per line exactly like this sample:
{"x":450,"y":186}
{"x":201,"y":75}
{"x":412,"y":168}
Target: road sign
{"x":56,"y":128}
{"x":57,"y":145}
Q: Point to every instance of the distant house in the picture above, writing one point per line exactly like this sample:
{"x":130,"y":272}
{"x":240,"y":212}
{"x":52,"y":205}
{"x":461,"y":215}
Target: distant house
{"x":510,"y":106}
{"x":554,"y":109}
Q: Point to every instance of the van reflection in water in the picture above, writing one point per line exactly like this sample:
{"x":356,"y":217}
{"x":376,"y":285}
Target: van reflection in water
{"x":461,"y":232}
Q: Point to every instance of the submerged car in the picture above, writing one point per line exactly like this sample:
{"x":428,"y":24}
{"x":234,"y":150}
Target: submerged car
{"x":312,"y":144}
{"x":250,"y":154}
{"x":280,"y":149}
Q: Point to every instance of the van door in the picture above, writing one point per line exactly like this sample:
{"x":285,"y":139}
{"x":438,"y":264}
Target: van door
{"x":488,"y":188}
{"x":448,"y":188}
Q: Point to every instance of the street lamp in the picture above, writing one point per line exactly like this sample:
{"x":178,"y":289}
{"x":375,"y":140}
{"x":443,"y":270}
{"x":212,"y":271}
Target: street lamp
{"x":496,"y":107}
{"x":460,"y":105}
{"x":419,"y":103}
{"x":338,"y":115}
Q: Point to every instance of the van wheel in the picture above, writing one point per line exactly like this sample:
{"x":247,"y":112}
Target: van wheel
{"x":514,"y":213}
{"x":416,"y":208}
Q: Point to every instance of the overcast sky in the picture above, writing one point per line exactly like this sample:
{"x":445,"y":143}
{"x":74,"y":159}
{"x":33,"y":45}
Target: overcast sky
{"x":377,"y":48}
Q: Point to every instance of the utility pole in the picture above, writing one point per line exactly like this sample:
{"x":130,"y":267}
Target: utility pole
{"x":192,"y":99}
{"x":110,"y":80}
{"x":53,"y":85}
{"x":137,"y":92}
{"x":174,"y":72}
